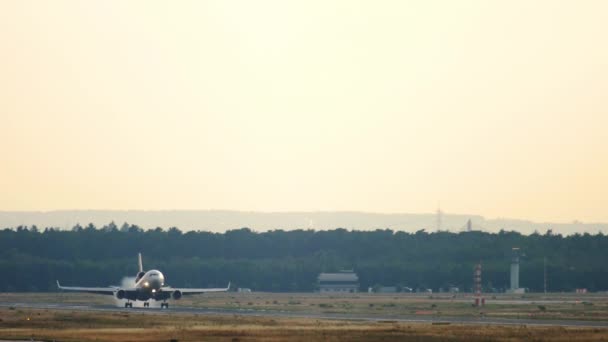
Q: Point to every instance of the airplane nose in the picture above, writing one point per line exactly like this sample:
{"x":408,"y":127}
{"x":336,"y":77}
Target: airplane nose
{"x":158,"y":282}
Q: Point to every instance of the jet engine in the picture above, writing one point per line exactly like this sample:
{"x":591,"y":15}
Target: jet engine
{"x":120,"y":294}
{"x":177,"y":294}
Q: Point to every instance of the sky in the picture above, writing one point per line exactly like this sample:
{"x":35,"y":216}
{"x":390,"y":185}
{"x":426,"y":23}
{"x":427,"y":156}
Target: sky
{"x":496,"y":108}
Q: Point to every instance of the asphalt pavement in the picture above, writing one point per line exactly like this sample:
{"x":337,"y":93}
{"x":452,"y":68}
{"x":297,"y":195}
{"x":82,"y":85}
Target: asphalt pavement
{"x":176,"y":309}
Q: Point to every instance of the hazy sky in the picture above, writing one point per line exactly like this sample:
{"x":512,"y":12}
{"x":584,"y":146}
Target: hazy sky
{"x":498,"y":108}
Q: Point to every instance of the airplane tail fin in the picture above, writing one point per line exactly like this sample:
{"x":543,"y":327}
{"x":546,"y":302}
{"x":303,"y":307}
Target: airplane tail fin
{"x":141,"y":264}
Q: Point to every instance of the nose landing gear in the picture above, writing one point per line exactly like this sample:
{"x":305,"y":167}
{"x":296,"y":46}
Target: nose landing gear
{"x":128,"y":305}
{"x":146,"y":304}
{"x":164,"y":305}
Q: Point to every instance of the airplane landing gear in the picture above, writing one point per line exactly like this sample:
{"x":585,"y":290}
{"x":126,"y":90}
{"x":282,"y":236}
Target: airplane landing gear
{"x":128,"y":305}
{"x":146,"y":304}
{"x":164,"y":305}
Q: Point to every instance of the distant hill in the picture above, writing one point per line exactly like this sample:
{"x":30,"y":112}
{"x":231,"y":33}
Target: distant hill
{"x":222,"y":220}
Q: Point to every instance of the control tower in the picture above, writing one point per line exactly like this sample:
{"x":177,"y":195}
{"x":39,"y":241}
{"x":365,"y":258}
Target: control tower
{"x":514,"y":288}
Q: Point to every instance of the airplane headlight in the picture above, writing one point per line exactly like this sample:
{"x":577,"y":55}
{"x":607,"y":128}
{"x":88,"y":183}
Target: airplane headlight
{"x":153,"y":290}
{"x":146,"y":284}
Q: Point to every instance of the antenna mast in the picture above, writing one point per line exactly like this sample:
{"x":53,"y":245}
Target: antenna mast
{"x":439,"y":214}
{"x":545,"y":274}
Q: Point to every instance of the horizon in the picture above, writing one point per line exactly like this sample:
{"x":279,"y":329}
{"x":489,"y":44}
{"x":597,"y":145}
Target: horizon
{"x":573,"y":221}
{"x":220,"y":221}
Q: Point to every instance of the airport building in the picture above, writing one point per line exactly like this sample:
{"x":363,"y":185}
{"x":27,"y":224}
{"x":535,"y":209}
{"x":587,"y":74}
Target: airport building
{"x":343,"y":281}
{"x":514,"y":288}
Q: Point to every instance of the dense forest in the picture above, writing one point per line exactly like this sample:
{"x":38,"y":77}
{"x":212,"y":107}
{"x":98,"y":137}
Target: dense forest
{"x":31,"y":259}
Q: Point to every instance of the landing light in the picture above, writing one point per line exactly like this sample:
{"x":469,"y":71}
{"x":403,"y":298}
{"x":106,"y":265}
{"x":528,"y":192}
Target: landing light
{"x":146,"y":284}
{"x":153,"y":290}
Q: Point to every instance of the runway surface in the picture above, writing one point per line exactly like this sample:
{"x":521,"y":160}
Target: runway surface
{"x":176,"y":309}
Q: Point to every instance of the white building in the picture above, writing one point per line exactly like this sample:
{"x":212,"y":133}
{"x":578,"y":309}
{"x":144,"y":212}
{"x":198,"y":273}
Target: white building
{"x":344,"y":281}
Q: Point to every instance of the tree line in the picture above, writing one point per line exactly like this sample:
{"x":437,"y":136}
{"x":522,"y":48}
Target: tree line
{"x":32,"y":259}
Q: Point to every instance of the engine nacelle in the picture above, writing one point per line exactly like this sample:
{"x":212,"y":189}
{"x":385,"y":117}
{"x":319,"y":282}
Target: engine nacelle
{"x":121,"y":294}
{"x":177,"y":294}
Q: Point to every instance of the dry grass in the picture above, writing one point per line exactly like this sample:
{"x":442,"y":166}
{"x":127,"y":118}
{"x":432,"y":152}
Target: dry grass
{"x":95,"y":326}
{"x":66,"y":325}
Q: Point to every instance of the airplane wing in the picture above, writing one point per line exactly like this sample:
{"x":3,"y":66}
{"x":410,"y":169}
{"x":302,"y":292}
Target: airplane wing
{"x":99,"y":290}
{"x":196,"y":291}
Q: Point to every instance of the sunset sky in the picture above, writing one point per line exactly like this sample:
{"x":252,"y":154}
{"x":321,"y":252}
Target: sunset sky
{"x":497,"y":108}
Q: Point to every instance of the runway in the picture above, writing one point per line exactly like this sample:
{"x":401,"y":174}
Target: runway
{"x":176,"y":309}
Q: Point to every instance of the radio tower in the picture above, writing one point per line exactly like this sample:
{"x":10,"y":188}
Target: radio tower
{"x":439,"y":214}
{"x":545,"y":274}
{"x":479,"y":300}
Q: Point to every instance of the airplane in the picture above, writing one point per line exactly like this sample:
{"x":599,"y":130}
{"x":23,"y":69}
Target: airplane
{"x":148,"y":285}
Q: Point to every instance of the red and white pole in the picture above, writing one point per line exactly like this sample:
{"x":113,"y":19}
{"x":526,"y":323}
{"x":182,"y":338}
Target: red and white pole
{"x":479,"y":301}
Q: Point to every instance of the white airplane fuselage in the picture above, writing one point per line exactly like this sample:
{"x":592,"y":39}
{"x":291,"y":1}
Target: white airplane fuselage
{"x":152,"y":280}
{"x":148,"y":285}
